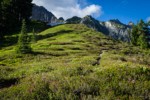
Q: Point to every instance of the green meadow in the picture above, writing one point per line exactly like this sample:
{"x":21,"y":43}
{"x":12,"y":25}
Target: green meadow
{"x":73,"y":62}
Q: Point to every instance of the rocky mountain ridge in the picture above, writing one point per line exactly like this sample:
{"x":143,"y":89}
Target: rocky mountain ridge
{"x":113,"y":28}
{"x":42,"y":14}
{"x":117,"y":30}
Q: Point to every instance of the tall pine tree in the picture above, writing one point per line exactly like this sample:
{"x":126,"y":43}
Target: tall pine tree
{"x":23,"y":41}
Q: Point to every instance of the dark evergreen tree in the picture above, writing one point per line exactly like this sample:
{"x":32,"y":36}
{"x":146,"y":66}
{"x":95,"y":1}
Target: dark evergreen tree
{"x":8,"y":18}
{"x":23,"y":41}
{"x":22,"y":9}
{"x":139,"y":34}
{"x":1,"y":19}
{"x":13,"y":12}
{"x":142,"y":41}
{"x":143,"y":31}
{"x":134,"y":35}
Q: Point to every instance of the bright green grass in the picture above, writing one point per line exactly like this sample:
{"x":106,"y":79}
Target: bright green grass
{"x":61,"y":68}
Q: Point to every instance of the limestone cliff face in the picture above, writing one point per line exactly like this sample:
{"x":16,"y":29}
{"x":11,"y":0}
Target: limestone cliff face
{"x":112,"y":28}
{"x":117,"y":30}
{"x":41,"y":14}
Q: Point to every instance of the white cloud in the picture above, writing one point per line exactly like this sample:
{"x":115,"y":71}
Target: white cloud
{"x":70,"y":8}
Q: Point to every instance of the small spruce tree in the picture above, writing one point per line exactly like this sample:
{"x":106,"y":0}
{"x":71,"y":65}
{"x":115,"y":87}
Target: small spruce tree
{"x":134,"y":35}
{"x":143,"y":41}
{"x":34,"y":37}
{"x":23,"y":41}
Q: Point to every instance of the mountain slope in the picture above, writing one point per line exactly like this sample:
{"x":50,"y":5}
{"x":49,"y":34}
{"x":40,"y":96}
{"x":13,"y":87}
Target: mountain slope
{"x":113,"y":28}
{"x":75,"y":62}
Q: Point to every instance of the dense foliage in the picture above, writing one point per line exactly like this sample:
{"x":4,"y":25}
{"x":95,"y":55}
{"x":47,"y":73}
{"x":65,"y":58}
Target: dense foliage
{"x":140,"y":34}
{"x":12,"y":12}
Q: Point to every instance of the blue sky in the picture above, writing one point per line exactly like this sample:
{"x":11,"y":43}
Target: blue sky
{"x":124,"y":10}
{"x":103,"y":10}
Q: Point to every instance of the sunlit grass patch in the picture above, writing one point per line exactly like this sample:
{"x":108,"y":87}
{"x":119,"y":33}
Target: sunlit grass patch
{"x":61,"y":67}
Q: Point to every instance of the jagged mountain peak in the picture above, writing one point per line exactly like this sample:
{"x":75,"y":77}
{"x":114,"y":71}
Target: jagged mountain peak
{"x":61,"y":19}
{"x":41,"y":7}
{"x":115,"y":20}
{"x":88,"y":16}
{"x":91,"y":22}
{"x":117,"y":29}
{"x":42,"y":14}
{"x":113,"y":28}
{"x":130,"y":23}
{"x":73,"y":20}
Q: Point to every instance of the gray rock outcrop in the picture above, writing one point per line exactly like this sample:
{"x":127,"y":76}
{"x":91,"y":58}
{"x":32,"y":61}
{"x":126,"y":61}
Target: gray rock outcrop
{"x":113,"y":28}
{"x":117,"y":30}
{"x":41,"y":14}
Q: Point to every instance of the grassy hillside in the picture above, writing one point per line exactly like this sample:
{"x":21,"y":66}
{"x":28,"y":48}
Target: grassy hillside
{"x":73,"y":62}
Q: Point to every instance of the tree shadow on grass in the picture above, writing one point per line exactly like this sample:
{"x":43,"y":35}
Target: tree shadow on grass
{"x":40,"y":37}
{"x":8,"y":83}
{"x":9,"y":41}
{"x":49,"y":54}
